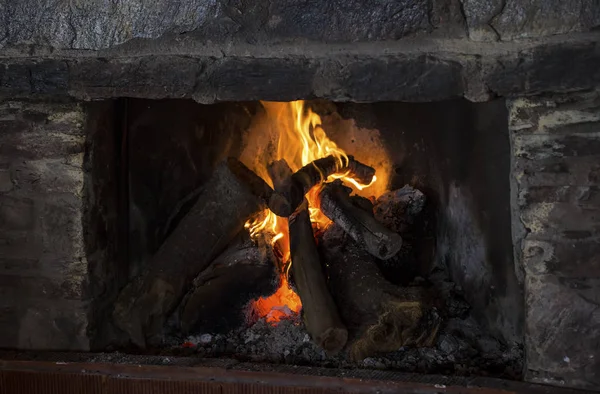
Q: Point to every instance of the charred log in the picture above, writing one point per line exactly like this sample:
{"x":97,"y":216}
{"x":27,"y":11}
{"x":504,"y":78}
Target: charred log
{"x":398,"y":209}
{"x":219,"y":295}
{"x":380,"y":317}
{"x":363,"y":203}
{"x":285,"y":201}
{"x":319,"y":312}
{"x":405,"y":212}
{"x":230,"y":197}
{"x":281,"y":175}
{"x":337,"y":205}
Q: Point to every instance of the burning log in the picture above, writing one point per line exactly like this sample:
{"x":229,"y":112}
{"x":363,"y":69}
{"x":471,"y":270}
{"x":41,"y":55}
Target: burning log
{"x":285,"y":201}
{"x":318,"y":308}
{"x":380,"y":317}
{"x":319,"y":311}
{"x":219,"y":295}
{"x":231,"y":196}
{"x":337,"y":205}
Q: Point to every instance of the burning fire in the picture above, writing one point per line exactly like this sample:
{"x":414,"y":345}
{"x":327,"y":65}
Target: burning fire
{"x":300,"y":139}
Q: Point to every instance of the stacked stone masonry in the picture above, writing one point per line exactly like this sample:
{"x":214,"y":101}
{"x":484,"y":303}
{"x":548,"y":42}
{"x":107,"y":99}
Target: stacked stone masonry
{"x":556,"y":232}
{"x":43,"y":265}
{"x":65,"y":25}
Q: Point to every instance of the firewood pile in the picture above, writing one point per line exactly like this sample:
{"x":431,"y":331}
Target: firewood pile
{"x":207,"y":269}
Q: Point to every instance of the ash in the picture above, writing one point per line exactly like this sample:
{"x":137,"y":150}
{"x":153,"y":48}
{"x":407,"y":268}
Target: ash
{"x":462,"y":348}
{"x":283,"y":342}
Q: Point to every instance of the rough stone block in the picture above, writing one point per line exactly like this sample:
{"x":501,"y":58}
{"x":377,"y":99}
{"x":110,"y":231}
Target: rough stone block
{"x":15,"y":78}
{"x":45,"y":77}
{"x":535,"y":18}
{"x":60,"y":222}
{"x":478,"y":15}
{"x":137,"y":77}
{"x":568,"y":115}
{"x":53,"y":175}
{"x":562,"y":66}
{"x":45,"y":324}
{"x":562,"y":327}
{"x":49,"y":77}
{"x":550,"y":194}
{"x":400,"y":78}
{"x":35,"y":131}
{"x":559,"y":171}
{"x":569,"y":220}
{"x":34,"y":287}
{"x":571,"y":257}
{"x":56,"y":326}
{"x":347,"y":20}
{"x":513,"y":19}
{"x":254,"y":79}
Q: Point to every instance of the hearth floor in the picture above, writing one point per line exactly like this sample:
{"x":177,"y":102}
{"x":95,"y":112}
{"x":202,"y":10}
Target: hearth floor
{"x":463,"y":348}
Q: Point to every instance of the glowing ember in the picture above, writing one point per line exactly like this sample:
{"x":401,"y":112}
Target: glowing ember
{"x":300,"y":139}
{"x":280,"y":305}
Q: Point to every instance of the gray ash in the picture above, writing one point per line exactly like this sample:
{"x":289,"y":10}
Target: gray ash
{"x":462,"y":348}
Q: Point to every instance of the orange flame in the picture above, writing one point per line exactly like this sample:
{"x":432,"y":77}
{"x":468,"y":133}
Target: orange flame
{"x":300,"y":141}
{"x":280,"y":305}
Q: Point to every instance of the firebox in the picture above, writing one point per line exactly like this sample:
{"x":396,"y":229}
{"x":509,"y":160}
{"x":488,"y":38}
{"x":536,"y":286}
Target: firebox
{"x":312,"y":232}
{"x":343,"y":188}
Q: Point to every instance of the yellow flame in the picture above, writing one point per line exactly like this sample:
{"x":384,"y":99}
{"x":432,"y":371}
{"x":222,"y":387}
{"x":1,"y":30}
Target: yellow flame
{"x":303,"y":140}
{"x":300,"y":141}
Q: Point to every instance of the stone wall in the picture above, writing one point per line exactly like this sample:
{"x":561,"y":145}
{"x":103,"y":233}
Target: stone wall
{"x":351,"y":50}
{"x":45,"y":294}
{"x":43,"y":265}
{"x":416,"y":70}
{"x":556,"y":232}
{"x":66,"y":25}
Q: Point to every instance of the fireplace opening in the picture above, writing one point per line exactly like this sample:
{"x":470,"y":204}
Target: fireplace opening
{"x":373,"y":235}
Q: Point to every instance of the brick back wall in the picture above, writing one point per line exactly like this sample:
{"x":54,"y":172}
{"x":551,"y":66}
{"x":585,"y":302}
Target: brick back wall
{"x":556,"y":233}
{"x":43,"y":264}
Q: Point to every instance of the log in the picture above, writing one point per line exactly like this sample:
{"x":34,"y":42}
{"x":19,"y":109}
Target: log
{"x":404,"y":211}
{"x":281,"y":175}
{"x":218,"y":299}
{"x":319,"y":311}
{"x":337,"y":205}
{"x":285,"y":201}
{"x":398,"y":209}
{"x":230,"y":197}
{"x":380,"y":317}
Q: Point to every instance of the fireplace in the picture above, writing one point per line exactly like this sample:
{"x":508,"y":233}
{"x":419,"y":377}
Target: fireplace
{"x":431,"y":166}
{"x":426,"y":188}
